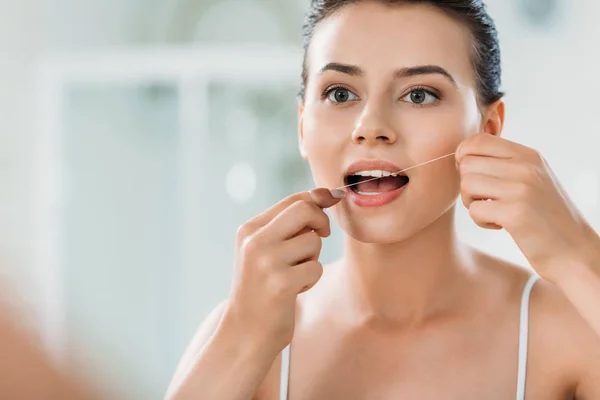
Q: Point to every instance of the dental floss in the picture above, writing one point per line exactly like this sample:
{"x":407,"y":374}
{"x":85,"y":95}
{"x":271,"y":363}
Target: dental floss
{"x":406,"y":169}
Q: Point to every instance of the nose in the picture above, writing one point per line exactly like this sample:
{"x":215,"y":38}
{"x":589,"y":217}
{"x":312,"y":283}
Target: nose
{"x":373,"y":127}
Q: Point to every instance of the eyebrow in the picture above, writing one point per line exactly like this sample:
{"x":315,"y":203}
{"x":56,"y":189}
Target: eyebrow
{"x":354,"y":70}
{"x":425,"y":70}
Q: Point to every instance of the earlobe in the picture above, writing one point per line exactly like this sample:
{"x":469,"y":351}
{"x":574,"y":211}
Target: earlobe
{"x":301,"y":131}
{"x":494,"y":118}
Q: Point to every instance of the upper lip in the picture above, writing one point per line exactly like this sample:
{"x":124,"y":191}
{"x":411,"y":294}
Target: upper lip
{"x":372,"y":165}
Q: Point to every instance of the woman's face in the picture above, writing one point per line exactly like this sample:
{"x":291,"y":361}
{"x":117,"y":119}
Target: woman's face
{"x":388,"y":88}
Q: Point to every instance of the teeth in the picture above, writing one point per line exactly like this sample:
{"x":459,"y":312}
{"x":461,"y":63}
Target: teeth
{"x":375,"y":173}
{"x":369,"y":193}
{"x":367,"y":173}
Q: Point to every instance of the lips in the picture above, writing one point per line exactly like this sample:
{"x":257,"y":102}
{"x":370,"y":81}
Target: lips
{"x":374,"y":183}
{"x":363,"y":165}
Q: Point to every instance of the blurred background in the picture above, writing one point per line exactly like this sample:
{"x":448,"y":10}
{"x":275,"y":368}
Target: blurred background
{"x":136,"y":135}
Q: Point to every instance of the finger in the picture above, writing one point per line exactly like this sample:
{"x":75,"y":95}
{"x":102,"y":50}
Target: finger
{"x":322,"y":197}
{"x":486,"y":214}
{"x":301,"y":248}
{"x":296,"y":218}
{"x":508,"y":169}
{"x":475,"y":187}
{"x":306,"y":275}
{"x":488,"y":145}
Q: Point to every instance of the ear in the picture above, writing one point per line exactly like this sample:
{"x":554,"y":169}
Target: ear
{"x":301,"y":130}
{"x":493,"y":119}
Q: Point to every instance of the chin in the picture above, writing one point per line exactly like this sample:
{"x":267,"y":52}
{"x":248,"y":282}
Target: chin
{"x":379,"y":229}
{"x":389,"y":229}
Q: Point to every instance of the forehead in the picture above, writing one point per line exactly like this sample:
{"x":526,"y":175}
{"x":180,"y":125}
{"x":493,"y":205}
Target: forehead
{"x":382,"y":38}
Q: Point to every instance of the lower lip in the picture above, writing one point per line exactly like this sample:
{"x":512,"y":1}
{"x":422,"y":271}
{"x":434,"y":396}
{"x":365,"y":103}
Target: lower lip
{"x":375,"y":200}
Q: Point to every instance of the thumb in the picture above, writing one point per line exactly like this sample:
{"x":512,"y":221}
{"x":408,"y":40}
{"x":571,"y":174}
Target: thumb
{"x":326,"y":198}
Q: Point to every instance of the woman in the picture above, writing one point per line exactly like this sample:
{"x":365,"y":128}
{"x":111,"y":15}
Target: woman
{"x":408,"y":312}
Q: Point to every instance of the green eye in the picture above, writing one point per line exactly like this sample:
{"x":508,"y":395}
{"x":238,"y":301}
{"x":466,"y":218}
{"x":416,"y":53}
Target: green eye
{"x":340,"y":95}
{"x":421,"y":97}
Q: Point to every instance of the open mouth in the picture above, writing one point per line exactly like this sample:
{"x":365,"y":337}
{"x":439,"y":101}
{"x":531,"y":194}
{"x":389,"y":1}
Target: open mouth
{"x":375,"y":182}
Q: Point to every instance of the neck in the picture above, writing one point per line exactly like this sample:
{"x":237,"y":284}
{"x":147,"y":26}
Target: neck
{"x":410,"y":280}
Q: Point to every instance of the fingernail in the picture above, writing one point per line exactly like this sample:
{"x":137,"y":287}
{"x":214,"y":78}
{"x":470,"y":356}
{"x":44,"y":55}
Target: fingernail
{"x":338,"y":193}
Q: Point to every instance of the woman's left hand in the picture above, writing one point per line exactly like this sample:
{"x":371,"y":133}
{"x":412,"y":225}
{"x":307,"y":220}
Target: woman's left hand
{"x":507,"y":185}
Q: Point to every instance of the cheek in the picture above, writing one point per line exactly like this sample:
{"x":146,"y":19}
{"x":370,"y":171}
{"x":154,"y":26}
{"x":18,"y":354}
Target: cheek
{"x":437,"y":131}
{"x":440,"y":132}
{"x":436,"y":135}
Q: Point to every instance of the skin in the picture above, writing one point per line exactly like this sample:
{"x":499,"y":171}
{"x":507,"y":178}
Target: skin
{"x":27,"y":372}
{"x":409,"y":312}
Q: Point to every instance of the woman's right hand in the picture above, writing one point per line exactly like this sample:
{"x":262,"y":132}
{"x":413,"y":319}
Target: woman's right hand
{"x":277,"y":258}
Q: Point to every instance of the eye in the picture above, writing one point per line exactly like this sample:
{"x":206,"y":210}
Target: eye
{"x":421,"y":97}
{"x":340,"y":95}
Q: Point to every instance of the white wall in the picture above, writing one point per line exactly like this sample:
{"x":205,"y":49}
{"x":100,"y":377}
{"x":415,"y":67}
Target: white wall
{"x":20,"y":42}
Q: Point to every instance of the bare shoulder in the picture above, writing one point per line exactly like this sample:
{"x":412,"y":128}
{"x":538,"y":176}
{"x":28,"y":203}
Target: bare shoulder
{"x":560,"y":336}
{"x":562,"y":347}
{"x":504,"y":279}
{"x":553,"y":321}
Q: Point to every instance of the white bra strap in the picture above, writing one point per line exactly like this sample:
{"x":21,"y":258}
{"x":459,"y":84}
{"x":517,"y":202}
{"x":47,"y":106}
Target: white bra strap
{"x":523,"y":337}
{"x":285,"y":373}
